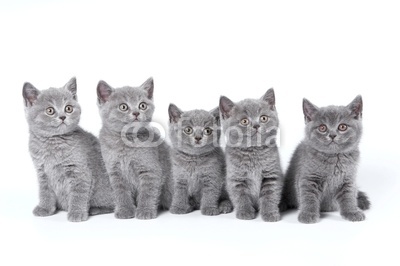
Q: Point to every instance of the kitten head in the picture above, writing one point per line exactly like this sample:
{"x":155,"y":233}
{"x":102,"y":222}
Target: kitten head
{"x":126,"y":105}
{"x":53,"y":111}
{"x":194,"y":132}
{"x":250,"y":122}
{"x":333,"y":129}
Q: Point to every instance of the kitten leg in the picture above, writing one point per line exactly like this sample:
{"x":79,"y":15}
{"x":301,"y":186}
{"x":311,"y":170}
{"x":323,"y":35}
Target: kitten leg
{"x":47,"y":198}
{"x":241,"y":197}
{"x":363,"y":201}
{"x":347,"y":199}
{"x":270,"y":196}
{"x":149,"y":195}
{"x":124,"y":206}
{"x":310,"y":193}
{"x":210,"y":196}
{"x":180,"y":199}
{"x":79,"y":194}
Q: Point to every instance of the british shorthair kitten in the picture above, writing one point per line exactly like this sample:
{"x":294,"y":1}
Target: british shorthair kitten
{"x":198,"y":162}
{"x":136,"y":158}
{"x":322,"y":172}
{"x":71,"y":172}
{"x":254,"y":174}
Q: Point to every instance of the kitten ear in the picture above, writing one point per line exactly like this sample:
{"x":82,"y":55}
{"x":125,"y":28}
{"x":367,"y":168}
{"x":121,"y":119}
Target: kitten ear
{"x":71,"y":86}
{"x":148,"y":85}
{"x":215,"y":113}
{"x":309,"y":110}
{"x":174,"y":113}
{"x":30,"y":94}
{"x":104,"y":91}
{"x":356,"y":107}
{"x":269,"y":97}
{"x":225,"y":106}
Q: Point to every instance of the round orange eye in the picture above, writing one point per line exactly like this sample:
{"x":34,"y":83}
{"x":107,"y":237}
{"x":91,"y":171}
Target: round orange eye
{"x":342,"y":127}
{"x":322,"y":128}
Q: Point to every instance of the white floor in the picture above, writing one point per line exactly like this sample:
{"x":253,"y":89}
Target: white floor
{"x":327,"y":52}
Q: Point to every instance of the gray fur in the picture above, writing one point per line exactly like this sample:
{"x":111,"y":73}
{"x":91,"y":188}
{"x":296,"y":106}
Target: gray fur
{"x":139,"y":169}
{"x":254,"y":174}
{"x":71,"y":172}
{"x":322,"y":172}
{"x":198,"y":163}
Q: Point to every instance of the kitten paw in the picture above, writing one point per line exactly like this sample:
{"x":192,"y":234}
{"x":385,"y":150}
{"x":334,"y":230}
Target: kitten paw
{"x":308,"y":217}
{"x":225,"y":206}
{"x":273,"y":216}
{"x":146,"y":214}
{"x":245,"y":214}
{"x":78,"y":216}
{"x":210,"y":211}
{"x":356,"y":216}
{"x":180,"y":210}
{"x":40,"y":211}
{"x":124,"y":213}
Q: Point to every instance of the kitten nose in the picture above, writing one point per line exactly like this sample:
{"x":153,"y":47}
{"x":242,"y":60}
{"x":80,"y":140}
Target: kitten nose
{"x":136,"y":114}
{"x":256,"y":126}
{"x":332,"y":136}
{"x":62,"y":117}
{"x":197,"y":138}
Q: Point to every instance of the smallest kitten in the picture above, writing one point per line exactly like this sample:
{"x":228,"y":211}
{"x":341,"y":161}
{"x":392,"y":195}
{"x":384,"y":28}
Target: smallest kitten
{"x":198,"y":162}
{"x":322,"y":173}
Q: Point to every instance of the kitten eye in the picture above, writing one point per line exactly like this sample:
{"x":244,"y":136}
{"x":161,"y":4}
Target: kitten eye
{"x":188,"y":130}
{"x":123,"y":107}
{"x":69,"y":109}
{"x":263,"y":118}
{"x":342,"y":127}
{"x":142,"y":106}
{"x":50,"y":111}
{"x":322,"y":128}
{"x":244,"y":121}
{"x":208,"y":131}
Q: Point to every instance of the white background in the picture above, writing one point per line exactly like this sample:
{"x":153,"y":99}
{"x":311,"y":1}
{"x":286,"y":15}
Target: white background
{"x":326,"y":51}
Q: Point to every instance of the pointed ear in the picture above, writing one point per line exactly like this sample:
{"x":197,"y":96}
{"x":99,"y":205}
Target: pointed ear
{"x":104,"y":91}
{"x":225,"y":106}
{"x":215,"y":113}
{"x":309,"y":110}
{"x":269,"y":97}
{"x":174,"y":113}
{"x":148,"y":85}
{"x":71,"y":86}
{"x":30,"y":94}
{"x":356,"y":107}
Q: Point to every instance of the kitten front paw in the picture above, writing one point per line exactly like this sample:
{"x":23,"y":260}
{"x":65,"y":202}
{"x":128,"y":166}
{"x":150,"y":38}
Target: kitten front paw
{"x":210,"y":211}
{"x":246,"y":214}
{"x":146,"y":214}
{"x":180,"y":210}
{"x":308,"y":217}
{"x":78,"y":216}
{"x":42,"y":212}
{"x":356,"y":216}
{"x":272,"y":216}
{"x":124,"y":213}
{"x":225,"y":206}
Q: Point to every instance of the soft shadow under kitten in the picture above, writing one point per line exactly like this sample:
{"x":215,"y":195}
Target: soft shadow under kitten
{"x":322,"y":173}
{"x":198,"y":162}
{"x":71,"y":172}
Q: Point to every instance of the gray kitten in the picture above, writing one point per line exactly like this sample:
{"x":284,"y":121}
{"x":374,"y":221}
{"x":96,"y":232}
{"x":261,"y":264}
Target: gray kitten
{"x":322,"y":172}
{"x":198,"y":162}
{"x":254,"y":174}
{"x":72,"y":176}
{"x":137,"y":160}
